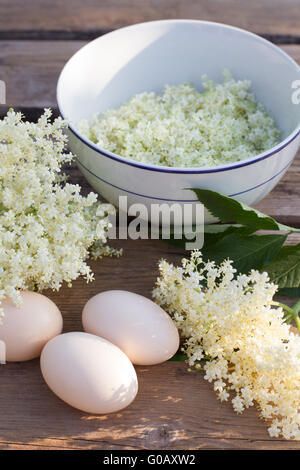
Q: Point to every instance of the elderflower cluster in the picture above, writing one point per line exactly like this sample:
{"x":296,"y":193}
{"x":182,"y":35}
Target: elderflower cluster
{"x":185,"y":128}
{"x":230,"y":326}
{"x":46,"y":226}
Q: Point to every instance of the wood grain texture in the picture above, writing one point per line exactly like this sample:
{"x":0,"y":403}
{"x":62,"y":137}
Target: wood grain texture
{"x":30,"y":69}
{"x":174,"y":409}
{"x":75,"y":18}
{"x":283,"y":203}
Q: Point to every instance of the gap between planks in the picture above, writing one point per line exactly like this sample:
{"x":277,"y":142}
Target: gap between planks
{"x":179,"y":412}
{"x":31,"y":69}
{"x":75,"y":18}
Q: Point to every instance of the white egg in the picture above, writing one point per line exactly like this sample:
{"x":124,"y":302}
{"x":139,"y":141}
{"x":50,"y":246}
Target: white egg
{"x":138,"y":326}
{"x":89,"y":373}
{"x":26,"y":329}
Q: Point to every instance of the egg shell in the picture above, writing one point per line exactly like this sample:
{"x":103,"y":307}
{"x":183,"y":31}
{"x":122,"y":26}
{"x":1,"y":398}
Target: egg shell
{"x":27,"y":328}
{"x":89,"y":373}
{"x":138,"y":326}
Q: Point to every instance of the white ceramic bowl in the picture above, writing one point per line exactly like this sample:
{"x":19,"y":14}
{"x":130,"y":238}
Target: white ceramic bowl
{"x":144,"y":57}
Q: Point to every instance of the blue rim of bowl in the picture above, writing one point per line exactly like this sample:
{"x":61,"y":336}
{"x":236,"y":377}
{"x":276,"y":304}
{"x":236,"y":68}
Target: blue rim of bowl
{"x":80,"y":164}
{"x":161,"y":169}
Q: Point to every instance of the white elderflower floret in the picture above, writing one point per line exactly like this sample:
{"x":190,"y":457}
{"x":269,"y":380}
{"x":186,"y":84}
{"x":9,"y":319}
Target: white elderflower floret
{"x":47,"y":227}
{"x":250,"y":353}
{"x":185,"y":128}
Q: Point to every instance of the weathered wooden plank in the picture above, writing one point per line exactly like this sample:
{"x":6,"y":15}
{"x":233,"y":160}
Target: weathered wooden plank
{"x":30,"y":69}
{"x":283,"y":202}
{"x":174,"y":409}
{"x":77,"y":19}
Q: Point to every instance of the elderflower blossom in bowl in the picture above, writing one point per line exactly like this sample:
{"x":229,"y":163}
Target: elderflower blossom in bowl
{"x":144,"y":123}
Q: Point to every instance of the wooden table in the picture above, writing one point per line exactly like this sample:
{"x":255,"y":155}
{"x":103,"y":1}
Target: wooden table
{"x":174,"y":409}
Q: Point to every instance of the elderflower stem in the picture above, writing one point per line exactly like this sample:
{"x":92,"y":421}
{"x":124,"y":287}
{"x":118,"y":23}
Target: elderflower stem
{"x":291,"y":312}
{"x":297,"y":321}
{"x":296,"y":307}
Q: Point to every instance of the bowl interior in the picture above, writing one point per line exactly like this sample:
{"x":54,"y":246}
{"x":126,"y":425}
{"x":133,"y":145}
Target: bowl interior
{"x":144,"y":57}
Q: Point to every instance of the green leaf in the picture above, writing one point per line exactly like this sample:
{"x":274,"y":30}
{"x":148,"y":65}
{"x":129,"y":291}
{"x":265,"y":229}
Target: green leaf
{"x":179,"y":357}
{"x":212,"y":234}
{"x":221,"y":228}
{"x":215,"y":232}
{"x":246,"y":252}
{"x":228,"y":210}
{"x":289,"y":292}
{"x":285,"y":269}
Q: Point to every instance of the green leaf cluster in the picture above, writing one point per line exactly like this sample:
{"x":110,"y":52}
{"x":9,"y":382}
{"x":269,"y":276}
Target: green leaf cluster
{"x":235,"y":237}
